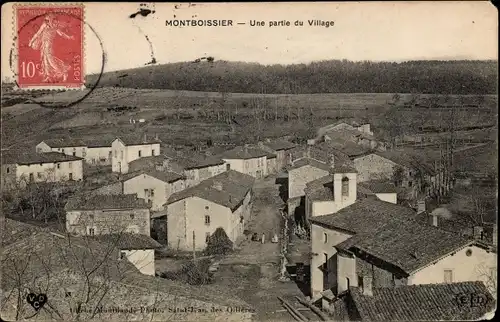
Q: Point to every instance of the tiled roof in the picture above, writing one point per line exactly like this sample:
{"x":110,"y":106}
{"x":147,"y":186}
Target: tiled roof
{"x":321,"y":152}
{"x":378,"y":186}
{"x":240,"y":152}
{"x":409,"y":160}
{"x":138,"y":140}
{"x":426,"y":302}
{"x":64,"y":142}
{"x":365,"y":215}
{"x":24,"y":158}
{"x":278,"y":145}
{"x":196,"y":160}
{"x":128,"y":241}
{"x":164,"y":176}
{"x":349,"y":148}
{"x":98,"y":202}
{"x":309,"y":161}
{"x":234,"y":188}
{"x":406,"y":245}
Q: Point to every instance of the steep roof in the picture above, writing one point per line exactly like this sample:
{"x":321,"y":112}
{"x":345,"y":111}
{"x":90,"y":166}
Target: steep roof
{"x":278,"y":145}
{"x":363,"y":215}
{"x":308,"y":161}
{"x":25,"y":158}
{"x":244,"y":153}
{"x":64,"y":142}
{"x":406,"y":245}
{"x":128,"y":241}
{"x":164,"y":176}
{"x":99,"y":202}
{"x":426,"y":302}
{"x":138,"y":140}
{"x":234,"y":186}
{"x":378,"y":186}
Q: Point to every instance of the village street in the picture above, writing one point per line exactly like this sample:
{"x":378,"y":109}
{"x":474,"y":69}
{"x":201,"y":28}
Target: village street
{"x":253,"y":270}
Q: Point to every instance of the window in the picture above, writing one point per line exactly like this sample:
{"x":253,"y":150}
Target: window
{"x":140,"y":153}
{"x":62,"y":150}
{"x":116,"y":154}
{"x":153,"y":152}
{"x":70,"y":165}
{"x":152,"y":192}
{"x":90,"y":231}
{"x":91,"y":217}
{"x":325,"y":238}
{"x":123,"y":255}
{"x":448,"y":276}
{"x":345,"y":187}
{"x":325,"y":264}
{"x":410,"y":183}
{"x":132,"y":216}
{"x":207,"y":220}
{"x":39,"y":175}
{"x":32,"y":178}
{"x":8,"y":169}
{"x":146,"y":192}
{"x":228,"y":166}
{"x":74,"y":153}
{"x":207,"y":207}
{"x":70,"y":176}
{"x":58,"y":166}
{"x":207,"y":237}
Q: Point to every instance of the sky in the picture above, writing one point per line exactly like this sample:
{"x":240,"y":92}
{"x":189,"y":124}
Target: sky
{"x":377,"y":31}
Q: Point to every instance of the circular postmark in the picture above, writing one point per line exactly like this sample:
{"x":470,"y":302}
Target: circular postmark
{"x":40,"y":32}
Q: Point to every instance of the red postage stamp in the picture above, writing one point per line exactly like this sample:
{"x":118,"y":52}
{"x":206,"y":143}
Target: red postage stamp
{"x":49,"y":46}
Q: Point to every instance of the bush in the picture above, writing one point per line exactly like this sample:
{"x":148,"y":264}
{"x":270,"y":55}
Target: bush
{"x":219,"y":243}
{"x":193,"y":273}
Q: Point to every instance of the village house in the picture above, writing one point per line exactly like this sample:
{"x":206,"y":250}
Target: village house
{"x":126,"y":150}
{"x":67,"y":267}
{"x":195,"y":213}
{"x":393,"y":250}
{"x":95,"y":152}
{"x":107,"y":214}
{"x":23,"y":168}
{"x":154,"y":186}
{"x":282,"y":150}
{"x":415,"y":174}
{"x":195,"y":168}
{"x":247,"y":160}
{"x":431,"y":302}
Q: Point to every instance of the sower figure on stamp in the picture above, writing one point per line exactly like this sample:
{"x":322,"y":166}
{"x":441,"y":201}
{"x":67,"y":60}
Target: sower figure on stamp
{"x":43,"y":40}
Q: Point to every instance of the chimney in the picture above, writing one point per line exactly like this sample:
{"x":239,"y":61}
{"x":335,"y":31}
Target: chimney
{"x":478,"y":232}
{"x":331,"y":161}
{"x":433,"y":220}
{"x":217,"y":185}
{"x":367,"y":286}
{"x":144,"y":138}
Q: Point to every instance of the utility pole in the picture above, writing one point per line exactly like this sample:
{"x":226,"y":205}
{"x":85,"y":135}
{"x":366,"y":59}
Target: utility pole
{"x":194,"y":247}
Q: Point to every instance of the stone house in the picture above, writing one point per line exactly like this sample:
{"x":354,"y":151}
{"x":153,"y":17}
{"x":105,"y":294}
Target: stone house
{"x":128,"y":149}
{"x":56,"y":263}
{"x":155,"y":187}
{"x":394,"y":249}
{"x":247,"y":160}
{"x":417,"y":176}
{"x":107,"y":214}
{"x":19,"y":169}
{"x":282,"y":150}
{"x":195,"y":168}
{"x":95,"y":152}
{"x":195,"y":213}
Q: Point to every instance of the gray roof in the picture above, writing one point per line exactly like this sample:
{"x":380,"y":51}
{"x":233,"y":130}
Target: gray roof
{"x":410,"y":160}
{"x":234,"y":188}
{"x":24,"y":158}
{"x":164,"y":176}
{"x":278,"y":145}
{"x":378,"y":186}
{"x":426,"y":302}
{"x":98,"y":202}
{"x":244,"y":153}
{"x":308,"y":162}
{"x":65,"y":142}
{"x":138,"y":140}
{"x":128,"y":241}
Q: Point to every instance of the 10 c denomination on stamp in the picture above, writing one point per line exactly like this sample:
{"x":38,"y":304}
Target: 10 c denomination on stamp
{"x":49,"y":46}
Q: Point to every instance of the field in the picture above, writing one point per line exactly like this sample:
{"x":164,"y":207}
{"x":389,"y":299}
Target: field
{"x":190,"y":118}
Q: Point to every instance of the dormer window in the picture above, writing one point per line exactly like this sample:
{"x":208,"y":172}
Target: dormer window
{"x":345,"y":187}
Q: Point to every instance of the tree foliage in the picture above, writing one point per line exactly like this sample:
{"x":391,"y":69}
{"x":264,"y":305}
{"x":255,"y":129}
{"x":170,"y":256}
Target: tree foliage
{"x":332,"y":76}
{"x":219,"y":243}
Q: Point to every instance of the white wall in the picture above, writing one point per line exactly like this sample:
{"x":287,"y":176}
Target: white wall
{"x":256,"y":167}
{"x":98,"y":155}
{"x":51,"y":172}
{"x":465,"y":268}
{"x":144,"y":260}
{"x":122,"y":154}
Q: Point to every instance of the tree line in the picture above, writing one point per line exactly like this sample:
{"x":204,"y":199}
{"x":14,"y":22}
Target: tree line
{"x":329,"y":76}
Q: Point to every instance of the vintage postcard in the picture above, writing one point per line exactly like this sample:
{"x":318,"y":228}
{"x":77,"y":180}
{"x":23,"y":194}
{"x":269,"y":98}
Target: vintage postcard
{"x":294,"y":161}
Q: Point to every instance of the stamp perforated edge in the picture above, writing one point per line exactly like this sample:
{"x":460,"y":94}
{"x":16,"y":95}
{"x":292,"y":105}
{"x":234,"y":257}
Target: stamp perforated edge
{"x":14,"y":50}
